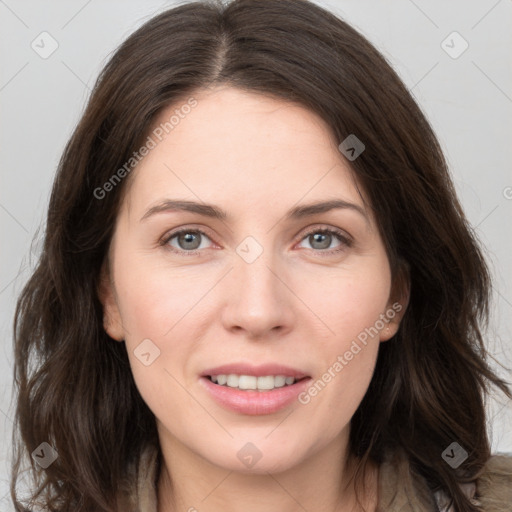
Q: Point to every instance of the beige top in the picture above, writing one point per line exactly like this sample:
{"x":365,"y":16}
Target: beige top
{"x":399,"y":490}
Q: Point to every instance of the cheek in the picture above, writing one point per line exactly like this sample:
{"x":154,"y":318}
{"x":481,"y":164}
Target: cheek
{"x":346,"y":300}
{"x":154,"y":305}
{"x":349,"y":305}
{"x":153,"y":297}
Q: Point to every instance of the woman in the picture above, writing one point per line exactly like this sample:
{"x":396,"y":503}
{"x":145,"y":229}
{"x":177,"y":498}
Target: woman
{"x":190,"y":341}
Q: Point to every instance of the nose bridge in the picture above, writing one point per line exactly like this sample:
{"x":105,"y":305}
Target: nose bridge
{"x":253,"y":266}
{"x":258,"y":300}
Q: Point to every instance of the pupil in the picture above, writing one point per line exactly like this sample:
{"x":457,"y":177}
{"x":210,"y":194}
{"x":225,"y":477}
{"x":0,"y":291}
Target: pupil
{"x":188,"y":239}
{"x":322,"y":238}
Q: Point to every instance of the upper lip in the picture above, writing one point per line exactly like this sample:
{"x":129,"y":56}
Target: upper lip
{"x":256,"y":371}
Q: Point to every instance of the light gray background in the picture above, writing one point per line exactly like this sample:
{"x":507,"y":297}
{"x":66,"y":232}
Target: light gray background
{"x":468,"y":100}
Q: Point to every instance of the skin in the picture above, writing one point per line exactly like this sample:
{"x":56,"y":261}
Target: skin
{"x":255,"y":157}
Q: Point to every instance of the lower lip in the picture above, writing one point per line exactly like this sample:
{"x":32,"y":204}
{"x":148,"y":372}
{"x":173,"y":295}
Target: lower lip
{"x":254,"y":402}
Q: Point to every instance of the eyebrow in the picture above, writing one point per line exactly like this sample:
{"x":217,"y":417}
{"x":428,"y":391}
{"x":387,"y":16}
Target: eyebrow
{"x":212,"y":211}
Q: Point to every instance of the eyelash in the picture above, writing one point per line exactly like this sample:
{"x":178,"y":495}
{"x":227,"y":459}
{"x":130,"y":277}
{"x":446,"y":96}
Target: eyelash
{"x":345,"y":241}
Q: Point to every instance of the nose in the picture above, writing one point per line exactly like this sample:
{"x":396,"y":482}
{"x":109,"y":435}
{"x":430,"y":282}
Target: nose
{"x":259,"y":299}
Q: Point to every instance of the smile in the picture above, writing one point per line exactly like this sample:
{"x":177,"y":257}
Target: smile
{"x":251,"y":382}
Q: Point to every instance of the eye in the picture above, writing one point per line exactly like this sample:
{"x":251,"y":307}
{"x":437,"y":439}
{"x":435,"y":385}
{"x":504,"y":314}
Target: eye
{"x":188,"y":241}
{"x":321,"y":239}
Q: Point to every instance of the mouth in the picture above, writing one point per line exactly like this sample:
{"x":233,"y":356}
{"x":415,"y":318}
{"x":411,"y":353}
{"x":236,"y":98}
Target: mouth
{"x":252,"y":383}
{"x":251,"y":390}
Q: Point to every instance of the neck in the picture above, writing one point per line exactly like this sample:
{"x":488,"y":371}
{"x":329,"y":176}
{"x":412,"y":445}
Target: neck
{"x":189,"y":483}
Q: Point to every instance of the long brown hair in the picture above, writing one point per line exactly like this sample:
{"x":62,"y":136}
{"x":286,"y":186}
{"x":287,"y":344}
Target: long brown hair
{"x":74,"y":385}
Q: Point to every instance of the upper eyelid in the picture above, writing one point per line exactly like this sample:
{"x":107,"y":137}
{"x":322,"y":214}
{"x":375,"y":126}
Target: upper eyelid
{"x":172,"y":233}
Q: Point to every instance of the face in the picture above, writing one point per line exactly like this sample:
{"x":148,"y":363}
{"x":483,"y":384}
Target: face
{"x":269,"y":290}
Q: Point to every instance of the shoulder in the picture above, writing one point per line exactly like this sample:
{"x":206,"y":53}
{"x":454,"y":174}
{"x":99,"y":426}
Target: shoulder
{"x":494,"y":485}
{"x":400,"y":488}
{"x":491,"y":491}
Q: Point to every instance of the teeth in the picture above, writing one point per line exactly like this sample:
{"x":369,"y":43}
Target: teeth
{"x":245,"y":382}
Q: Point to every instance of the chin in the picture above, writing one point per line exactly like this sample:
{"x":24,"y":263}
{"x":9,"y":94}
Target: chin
{"x":249,"y":459}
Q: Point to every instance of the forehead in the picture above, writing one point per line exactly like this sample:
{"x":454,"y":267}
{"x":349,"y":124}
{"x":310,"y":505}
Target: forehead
{"x":242,"y":149}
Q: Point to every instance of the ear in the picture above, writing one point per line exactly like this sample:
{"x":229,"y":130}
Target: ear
{"x":111,"y":315}
{"x":398,"y":302}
